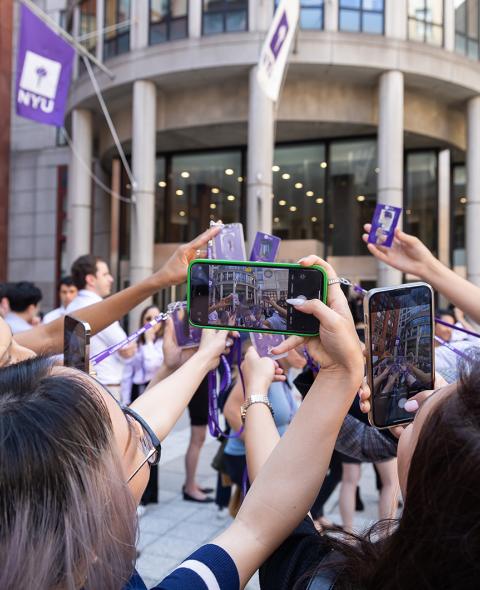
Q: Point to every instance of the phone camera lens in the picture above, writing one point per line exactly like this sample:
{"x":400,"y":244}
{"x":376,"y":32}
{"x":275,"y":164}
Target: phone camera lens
{"x":303,"y":276}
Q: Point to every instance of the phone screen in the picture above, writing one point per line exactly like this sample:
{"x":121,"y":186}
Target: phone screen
{"x":76,"y":344}
{"x":253,"y":297}
{"x":401,"y":350}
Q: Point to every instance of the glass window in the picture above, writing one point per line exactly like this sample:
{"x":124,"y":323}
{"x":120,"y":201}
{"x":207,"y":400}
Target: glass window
{"x":168,"y":20}
{"x":457,"y":210}
{"x":311,"y":14}
{"x":196,"y":189}
{"x":224,"y":16}
{"x":421,"y":216}
{"x":361,"y":16}
{"x":352,"y":194}
{"x":467,"y":28}
{"x":425,"y":21}
{"x":117,"y":28}
{"x":299,"y":192}
{"x":88,"y":24}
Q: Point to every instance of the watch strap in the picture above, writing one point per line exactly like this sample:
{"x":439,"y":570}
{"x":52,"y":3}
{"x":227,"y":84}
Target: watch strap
{"x":255,"y":398}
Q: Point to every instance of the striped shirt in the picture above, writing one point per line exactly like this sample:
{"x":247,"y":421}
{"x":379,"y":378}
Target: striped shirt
{"x":208,"y":568}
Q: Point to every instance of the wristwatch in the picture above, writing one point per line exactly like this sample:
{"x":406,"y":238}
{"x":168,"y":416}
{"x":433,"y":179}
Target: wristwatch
{"x":256,"y":398}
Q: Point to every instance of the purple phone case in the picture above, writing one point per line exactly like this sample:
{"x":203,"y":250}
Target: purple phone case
{"x":229,"y":244}
{"x":264,"y":342}
{"x":385,"y":220}
{"x":187,"y":336}
{"x":265,"y":248}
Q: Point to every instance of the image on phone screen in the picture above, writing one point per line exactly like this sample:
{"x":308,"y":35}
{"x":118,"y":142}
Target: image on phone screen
{"x":401,"y":350}
{"x":250,"y":297}
{"x":76,"y":344}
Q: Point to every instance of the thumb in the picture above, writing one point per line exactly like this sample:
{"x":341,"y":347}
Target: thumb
{"x":251,"y":354}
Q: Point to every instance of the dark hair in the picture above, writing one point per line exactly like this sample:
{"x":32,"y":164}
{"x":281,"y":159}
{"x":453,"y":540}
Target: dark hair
{"x":4,"y":290}
{"x":436,"y":543}
{"x":23,"y":294}
{"x":83,"y":266}
{"x":67,"y":517}
{"x":143,"y":322}
{"x":67,"y":281}
{"x":445,"y":311}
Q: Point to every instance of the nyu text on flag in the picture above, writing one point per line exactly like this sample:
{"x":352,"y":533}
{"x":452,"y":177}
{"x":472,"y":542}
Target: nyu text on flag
{"x":44,"y":71}
{"x":276,"y":48}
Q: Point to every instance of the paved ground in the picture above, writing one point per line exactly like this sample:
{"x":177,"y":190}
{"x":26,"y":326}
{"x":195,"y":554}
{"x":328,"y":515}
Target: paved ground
{"x":172,"y":529}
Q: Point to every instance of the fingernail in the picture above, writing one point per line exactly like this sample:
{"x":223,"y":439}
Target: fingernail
{"x":411,"y":405}
{"x":297,"y":301}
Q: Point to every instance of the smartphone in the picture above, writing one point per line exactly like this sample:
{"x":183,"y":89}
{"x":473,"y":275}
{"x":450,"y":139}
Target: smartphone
{"x":399,"y":331}
{"x":76,"y":344}
{"x":186,"y":335}
{"x":251,"y":296}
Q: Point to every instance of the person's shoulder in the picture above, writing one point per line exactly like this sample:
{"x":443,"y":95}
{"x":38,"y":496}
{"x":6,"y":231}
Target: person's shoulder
{"x":299,"y":554}
{"x":53,"y":315}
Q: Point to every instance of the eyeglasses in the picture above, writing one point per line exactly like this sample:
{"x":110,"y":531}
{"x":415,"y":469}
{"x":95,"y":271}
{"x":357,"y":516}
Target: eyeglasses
{"x":148,"y":440}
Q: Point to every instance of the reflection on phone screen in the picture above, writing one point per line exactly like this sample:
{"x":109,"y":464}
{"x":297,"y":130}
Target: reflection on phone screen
{"x":401,"y":348}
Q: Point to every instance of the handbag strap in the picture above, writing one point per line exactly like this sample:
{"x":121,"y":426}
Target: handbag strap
{"x":326,"y":578}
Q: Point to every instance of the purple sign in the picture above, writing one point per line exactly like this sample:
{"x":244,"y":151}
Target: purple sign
{"x":264,"y":343}
{"x":280,"y":35}
{"x":385,"y":220}
{"x":187,"y":336}
{"x":265,"y":247}
{"x":229,"y":244}
{"x":44,"y":71}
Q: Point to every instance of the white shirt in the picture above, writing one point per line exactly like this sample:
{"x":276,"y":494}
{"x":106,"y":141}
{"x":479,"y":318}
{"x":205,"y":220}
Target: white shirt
{"x":110,"y":370}
{"x":53,"y":315}
{"x":16,"y":323}
{"x":141,"y":368}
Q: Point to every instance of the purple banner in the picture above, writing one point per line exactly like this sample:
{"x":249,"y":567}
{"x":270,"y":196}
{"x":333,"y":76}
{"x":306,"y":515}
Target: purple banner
{"x":44,"y":71}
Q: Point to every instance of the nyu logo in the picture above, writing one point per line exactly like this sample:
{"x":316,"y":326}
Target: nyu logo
{"x":39,"y":82}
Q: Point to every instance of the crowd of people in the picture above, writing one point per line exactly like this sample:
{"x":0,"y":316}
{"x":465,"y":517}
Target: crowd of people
{"x":79,"y":453}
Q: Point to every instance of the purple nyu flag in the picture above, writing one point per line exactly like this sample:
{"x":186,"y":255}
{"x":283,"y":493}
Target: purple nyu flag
{"x":44,"y":71}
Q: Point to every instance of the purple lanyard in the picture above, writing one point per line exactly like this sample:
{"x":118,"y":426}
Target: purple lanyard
{"x":452,"y":348}
{"x":455,"y":327}
{"x":213,"y":421}
{"x":312,"y":365}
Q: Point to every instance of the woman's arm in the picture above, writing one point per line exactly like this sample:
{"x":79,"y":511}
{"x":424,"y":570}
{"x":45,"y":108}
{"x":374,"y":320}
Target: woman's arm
{"x":48,"y":339}
{"x":231,"y":409}
{"x":287,"y":485}
{"x":410,"y":255}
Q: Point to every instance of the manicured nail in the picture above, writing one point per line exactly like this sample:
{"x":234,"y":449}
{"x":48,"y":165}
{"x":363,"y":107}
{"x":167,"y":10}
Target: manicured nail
{"x":297,"y":302}
{"x":411,"y":405}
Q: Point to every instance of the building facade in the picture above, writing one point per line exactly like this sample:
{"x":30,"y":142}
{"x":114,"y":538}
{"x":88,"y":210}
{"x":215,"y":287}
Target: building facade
{"x":381,"y":102}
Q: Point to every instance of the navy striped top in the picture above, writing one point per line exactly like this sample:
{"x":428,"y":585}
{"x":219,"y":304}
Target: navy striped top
{"x":208,"y":568}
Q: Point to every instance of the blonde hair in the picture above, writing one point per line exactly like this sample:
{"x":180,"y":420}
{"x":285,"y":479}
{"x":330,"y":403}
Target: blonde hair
{"x":67,"y":517}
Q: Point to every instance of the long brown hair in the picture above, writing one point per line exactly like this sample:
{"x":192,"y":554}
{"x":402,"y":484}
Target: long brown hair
{"x":67,"y":517}
{"x":436,"y":542}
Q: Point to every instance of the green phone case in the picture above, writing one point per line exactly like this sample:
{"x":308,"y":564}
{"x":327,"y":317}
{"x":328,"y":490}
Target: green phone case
{"x":261,"y":264}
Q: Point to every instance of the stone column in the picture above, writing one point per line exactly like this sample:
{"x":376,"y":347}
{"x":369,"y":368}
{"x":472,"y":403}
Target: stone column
{"x":259,"y":160}
{"x":140,"y":22}
{"x":80,"y":186}
{"x":472,"y":245}
{"x":100,"y":27}
{"x":395,"y":16}
{"x":449,"y":25}
{"x":390,"y":155}
{"x":330,"y":15}
{"x":194,"y":19}
{"x":142,"y":235}
{"x":263,"y":15}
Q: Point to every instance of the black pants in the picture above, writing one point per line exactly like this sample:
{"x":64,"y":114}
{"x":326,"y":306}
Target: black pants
{"x":150,"y":495}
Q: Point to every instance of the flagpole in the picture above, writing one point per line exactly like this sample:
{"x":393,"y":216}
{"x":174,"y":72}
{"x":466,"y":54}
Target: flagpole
{"x":46,"y":19}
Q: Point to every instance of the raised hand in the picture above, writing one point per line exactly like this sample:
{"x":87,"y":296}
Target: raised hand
{"x":260,"y":372}
{"x":407,"y":253}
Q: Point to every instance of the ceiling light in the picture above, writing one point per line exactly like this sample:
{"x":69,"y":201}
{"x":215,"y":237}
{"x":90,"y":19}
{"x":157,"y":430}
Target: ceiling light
{"x":298,"y":185}
{"x":314,"y":219}
{"x":129,"y":186}
{"x":275,"y":168}
{"x":323,"y":164}
{"x":319,"y":201}
{"x":240,"y":179}
{"x":213,"y":206}
{"x":229,"y":172}
{"x":361,"y":198}
{"x":377,"y":170}
{"x":408,"y":211}
{"x":463,"y":200}
{"x":215,"y":190}
{"x":179,"y":192}
{"x":185,"y":174}
{"x":309,"y":193}
{"x":182,"y":213}
{"x":331,"y":226}
{"x":162,"y":184}
{"x":286,"y":176}
{"x":231,"y":198}
{"x":276,"y":219}
{"x":282,"y":203}
{"x":292,"y":208}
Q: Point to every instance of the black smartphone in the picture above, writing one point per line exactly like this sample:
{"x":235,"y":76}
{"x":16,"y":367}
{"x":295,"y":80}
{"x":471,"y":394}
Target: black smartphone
{"x":252,"y":296}
{"x":76,"y":344}
{"x":399,"y":327}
